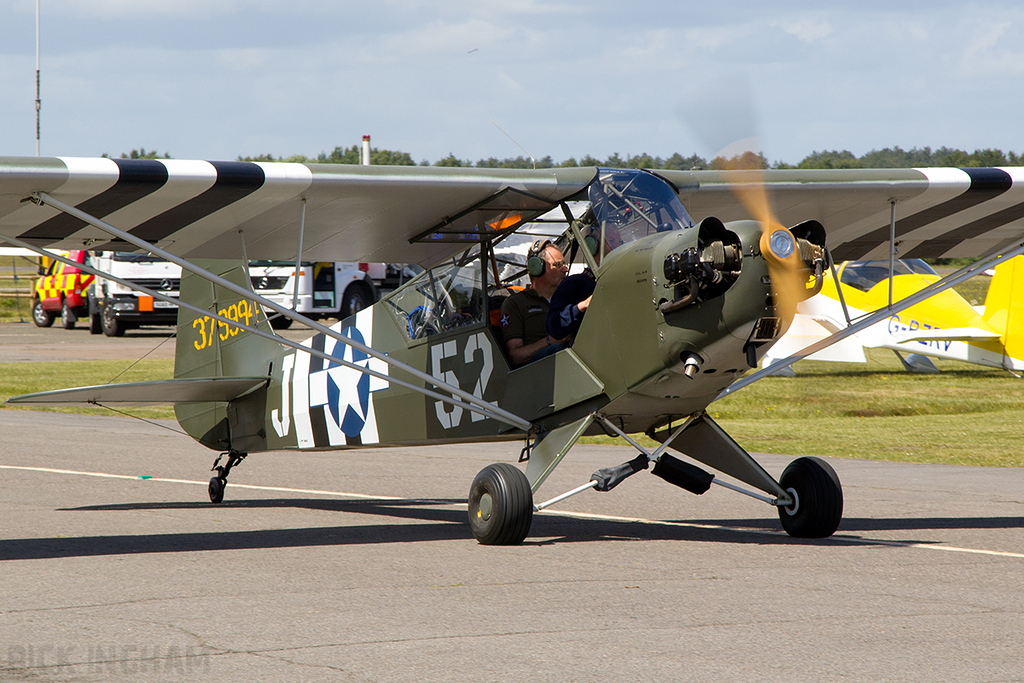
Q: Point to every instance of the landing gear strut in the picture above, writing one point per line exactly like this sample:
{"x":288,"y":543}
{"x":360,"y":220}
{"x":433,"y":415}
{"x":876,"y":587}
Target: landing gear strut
{"x":218,"y":483}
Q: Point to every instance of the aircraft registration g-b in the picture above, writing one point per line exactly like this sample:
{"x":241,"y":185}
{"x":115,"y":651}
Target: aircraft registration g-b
{"x":944,"y":326}
{"x":681,"y":310}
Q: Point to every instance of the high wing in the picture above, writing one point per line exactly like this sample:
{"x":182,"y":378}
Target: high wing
{"x":939,"y":212}
{"x":423,"y":214}
{"x":240,"y":209}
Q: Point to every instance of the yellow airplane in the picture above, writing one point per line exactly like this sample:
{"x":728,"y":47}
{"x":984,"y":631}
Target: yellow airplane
{"x":944,"y":326}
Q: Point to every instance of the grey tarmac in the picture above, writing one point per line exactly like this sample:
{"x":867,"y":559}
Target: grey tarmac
{"x":359,"y":566}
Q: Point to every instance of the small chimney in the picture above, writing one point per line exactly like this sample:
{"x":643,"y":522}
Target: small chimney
{"x":366,"y":150}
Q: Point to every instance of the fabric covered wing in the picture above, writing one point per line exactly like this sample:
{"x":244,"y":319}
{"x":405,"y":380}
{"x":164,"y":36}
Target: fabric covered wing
{"x":387,"y":213}
{"x":940,"y":212}
{"x":227,"y":209}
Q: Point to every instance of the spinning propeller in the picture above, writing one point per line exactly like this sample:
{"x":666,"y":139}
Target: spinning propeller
{"x":782,"y":250}
{"x":794,"y":255}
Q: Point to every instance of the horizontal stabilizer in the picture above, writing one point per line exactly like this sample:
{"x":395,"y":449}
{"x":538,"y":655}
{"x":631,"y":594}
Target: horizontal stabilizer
{"x":964,"y":334}
{"x":199,"y":390}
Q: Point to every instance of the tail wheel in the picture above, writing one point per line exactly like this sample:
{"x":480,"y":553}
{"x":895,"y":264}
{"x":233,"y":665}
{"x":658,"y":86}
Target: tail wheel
{"x":40,"y":316}
{"x":216,"y":489}
{"x":817,"y":505}
{"x":500,"y":505}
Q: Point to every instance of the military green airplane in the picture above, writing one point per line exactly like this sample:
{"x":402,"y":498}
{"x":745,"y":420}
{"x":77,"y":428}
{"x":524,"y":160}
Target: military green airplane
{"x":682,"y":308}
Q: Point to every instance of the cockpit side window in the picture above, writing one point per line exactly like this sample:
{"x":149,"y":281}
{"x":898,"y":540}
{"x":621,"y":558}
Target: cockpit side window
{"x":443,"y":298}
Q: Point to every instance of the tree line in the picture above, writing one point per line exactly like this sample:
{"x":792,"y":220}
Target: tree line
{"x":890,"y":157}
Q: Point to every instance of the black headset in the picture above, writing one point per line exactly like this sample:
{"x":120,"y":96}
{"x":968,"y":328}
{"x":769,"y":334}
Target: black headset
{"x":535,"y":265}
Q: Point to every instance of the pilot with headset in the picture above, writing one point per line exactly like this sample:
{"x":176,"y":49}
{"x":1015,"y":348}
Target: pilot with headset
{"x":524,"y":314}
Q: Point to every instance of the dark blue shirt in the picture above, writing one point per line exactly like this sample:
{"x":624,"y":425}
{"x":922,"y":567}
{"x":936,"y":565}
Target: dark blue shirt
{"x":564,"y":316}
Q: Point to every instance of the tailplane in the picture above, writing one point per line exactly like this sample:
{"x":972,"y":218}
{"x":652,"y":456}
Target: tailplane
{"x":221,"y":372}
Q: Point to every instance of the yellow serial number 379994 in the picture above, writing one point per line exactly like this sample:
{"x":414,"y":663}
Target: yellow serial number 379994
{"x":242,"y":312}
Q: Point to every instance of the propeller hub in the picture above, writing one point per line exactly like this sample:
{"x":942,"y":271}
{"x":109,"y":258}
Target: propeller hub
{"x":782,"y":244}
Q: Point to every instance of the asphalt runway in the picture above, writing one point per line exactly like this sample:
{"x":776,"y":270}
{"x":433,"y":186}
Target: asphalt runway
{"x":359,"y":566}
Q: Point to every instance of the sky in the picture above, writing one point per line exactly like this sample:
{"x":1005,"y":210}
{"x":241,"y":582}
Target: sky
{"x":219,"y":79}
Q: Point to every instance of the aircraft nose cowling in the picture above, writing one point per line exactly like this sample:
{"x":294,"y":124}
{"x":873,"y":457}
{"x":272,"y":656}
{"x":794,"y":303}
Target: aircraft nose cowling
{"x":711,"y":301}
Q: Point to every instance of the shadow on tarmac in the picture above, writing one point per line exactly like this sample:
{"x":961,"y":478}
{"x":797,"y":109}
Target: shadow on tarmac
{"x":441,"y":523}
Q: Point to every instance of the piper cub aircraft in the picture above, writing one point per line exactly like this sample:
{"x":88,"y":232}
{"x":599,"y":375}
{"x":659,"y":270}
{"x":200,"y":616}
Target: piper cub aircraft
{"x":945,"y":326}
{"x":696,"y":277}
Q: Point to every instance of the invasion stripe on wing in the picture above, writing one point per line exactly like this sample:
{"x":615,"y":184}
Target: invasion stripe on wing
{"x":986,"y":184}
{"x":235,"y":180}
{"x":935,"y":248}
{"x":136,"y":179}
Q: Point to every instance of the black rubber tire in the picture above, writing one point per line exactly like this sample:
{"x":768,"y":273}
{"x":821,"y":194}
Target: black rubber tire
{"x":40,"y":316}
{"x":355,"y":299}
{"x":67,"y":317}
{"x":112,"y":327}
{"x":819,"y":499}
{"x":500,"y":505}
{"x":216,"y":489}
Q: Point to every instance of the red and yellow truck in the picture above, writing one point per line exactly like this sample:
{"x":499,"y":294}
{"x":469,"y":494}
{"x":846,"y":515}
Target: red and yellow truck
{"x":61,"y":290}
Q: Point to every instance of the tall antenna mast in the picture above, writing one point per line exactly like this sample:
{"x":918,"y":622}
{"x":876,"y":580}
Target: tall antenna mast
{"x":39,"y":102}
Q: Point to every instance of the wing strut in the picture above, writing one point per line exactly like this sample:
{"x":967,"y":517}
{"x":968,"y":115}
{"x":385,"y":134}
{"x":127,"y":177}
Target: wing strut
{"x":892,"y":247}
{"x":478,"y":404}
{"x":254,"y":330}
{"x":945,"y":283}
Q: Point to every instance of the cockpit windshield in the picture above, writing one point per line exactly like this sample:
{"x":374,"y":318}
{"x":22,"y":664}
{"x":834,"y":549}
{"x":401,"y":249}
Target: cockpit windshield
{"x":631,"y":204}
{"x":866,"y":274}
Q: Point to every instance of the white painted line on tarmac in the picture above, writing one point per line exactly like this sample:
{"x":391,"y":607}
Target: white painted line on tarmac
{"x":778,"y":534}
{"x":198,"y":483}
{"x":578,"y":515}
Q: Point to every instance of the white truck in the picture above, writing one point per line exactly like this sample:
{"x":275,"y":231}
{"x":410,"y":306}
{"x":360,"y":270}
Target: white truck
{"x":326,"y":289}
{"x":114,"y":308}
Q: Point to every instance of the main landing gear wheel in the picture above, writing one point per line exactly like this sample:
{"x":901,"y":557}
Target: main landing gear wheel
{"x":817,"y":505}
{"x":500,"y":505}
